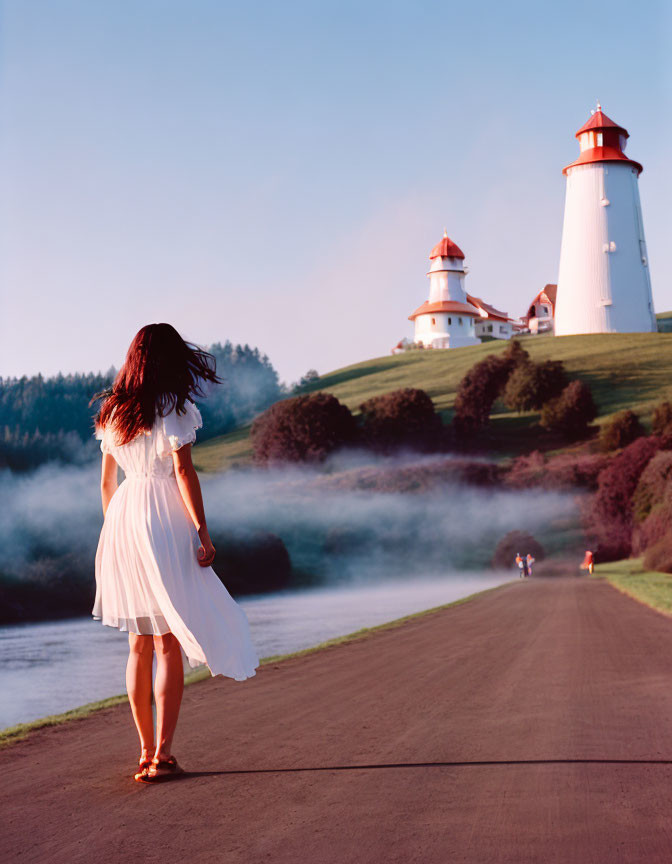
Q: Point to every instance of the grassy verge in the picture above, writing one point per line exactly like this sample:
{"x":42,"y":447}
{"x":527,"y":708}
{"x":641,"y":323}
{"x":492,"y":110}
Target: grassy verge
{"x":16,"y":733}
{"x":648,"y":587}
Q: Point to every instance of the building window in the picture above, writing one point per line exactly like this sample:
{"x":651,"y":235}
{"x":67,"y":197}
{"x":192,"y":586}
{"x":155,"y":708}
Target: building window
{"x":433,"y":320}
{"x":459,"y":321}
{"x":450,"y":321}
{"x":502,"y":328}
{"x":489,"y":328}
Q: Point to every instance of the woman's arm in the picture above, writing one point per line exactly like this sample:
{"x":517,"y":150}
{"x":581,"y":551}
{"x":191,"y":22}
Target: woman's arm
{"x":108,"y":480}
{"x":190,"y":489}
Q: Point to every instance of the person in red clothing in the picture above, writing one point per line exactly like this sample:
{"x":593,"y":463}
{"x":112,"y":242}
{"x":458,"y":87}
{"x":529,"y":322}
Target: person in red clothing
{"x":588,"y":563}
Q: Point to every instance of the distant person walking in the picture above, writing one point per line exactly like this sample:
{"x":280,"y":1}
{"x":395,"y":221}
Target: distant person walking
{"x":521,"y":564}
{"x":153,"y":574}
{"x":529,"y":560}
{"x":588,"y":563}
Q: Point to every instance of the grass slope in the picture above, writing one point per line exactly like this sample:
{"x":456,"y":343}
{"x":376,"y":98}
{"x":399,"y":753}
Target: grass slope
{"x":648,"y":587}
{"x":625,"y":370}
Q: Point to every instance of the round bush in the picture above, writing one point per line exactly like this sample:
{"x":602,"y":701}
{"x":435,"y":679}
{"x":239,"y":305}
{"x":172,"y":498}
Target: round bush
{"x":513,"y":543}
{"x":621,"y":430}
{"x":531,"y":385}
{"x":571,"y":412}
{"x":403,"y":418}
{"x":302,"y":429}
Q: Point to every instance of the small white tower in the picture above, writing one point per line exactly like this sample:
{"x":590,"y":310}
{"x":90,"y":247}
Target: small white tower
{"x":603,"y":282}
{"x":447,"y":319}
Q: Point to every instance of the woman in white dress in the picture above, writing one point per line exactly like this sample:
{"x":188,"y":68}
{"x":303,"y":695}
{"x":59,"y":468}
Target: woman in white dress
{"x":153,"y":573}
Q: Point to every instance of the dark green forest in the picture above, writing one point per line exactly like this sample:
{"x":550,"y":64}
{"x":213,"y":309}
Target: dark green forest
{"x":50,"y":419}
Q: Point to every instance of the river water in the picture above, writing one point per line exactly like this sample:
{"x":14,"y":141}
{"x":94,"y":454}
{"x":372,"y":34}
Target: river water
{"x":52,"y":667}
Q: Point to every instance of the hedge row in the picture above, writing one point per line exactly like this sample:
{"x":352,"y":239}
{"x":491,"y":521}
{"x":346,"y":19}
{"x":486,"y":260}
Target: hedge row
{"x":309,"y":428}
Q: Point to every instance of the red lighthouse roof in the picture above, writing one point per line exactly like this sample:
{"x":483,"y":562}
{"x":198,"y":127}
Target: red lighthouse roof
{"x":602,"y":140}
{"x":599,"y":120}
{"x":445,"y":248}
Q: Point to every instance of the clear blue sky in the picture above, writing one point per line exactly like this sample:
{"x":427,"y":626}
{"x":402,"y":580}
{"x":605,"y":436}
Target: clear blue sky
{"x":276,"y":173}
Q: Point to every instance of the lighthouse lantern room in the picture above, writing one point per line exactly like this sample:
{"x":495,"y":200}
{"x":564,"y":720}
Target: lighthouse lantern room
{"x":447,"y":318}
{"x":603,"y":281}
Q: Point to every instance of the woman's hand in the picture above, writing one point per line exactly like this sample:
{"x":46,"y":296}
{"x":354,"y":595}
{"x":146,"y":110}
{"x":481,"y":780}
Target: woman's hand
{"x":206,"y":553}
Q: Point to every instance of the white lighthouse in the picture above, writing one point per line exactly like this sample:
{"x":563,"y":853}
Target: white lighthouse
{"x":603,"y":282}
{"x":447,"y":319}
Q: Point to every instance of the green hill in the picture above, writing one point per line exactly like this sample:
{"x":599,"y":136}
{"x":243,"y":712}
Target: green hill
{"x":664,"y":320}
{"x":624,"y":370}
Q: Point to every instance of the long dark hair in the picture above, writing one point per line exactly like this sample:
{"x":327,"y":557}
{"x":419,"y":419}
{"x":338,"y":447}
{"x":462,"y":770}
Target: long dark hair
{"x":161,"y":371}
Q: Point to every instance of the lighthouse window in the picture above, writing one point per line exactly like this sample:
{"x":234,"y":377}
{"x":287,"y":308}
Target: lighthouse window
{"x":433,"y":320}
{"x":450,"y":321}
{"x":459,"y":321}
{"x":599,"y":139}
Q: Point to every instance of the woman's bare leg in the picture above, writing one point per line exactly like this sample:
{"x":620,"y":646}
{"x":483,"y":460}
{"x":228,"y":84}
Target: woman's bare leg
{"x":168,"y":687}
{"x":139,"y":686}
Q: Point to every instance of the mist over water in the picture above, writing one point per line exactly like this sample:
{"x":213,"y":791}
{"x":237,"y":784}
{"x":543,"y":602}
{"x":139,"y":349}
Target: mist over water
{"x":334,"y":535}
{"x":360,"y":557}
{"x":345,"y":536}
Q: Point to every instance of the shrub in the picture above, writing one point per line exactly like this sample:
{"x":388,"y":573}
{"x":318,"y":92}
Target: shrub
{"x":571,"y":412}
{"x":653,"y":528}
{"x":565,"y":471}
{"x":659,"y":556}
{"x":515,"y":354}
{"x":403,"y":418}
{"x":253,"y":563}
{"x":621,"y":430}
{"x":302,"y":429}
{"x":611,"y":517}
{"x":482,"y":385}
{"x":654,"y":483}
{"x":530,"y":385}
{"x":661,"y":423}
{"x":652,"y":503}
{"x":513,"y":543}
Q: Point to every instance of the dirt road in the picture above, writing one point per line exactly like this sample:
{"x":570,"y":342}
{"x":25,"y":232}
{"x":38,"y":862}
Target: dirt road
{"x":532,"y":724}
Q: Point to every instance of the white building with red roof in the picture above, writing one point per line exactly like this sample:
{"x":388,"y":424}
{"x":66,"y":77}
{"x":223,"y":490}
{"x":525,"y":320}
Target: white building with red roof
{"x":603,"y":282}
{"x":541,"y":312}
{"x":447,"y":318}
{"x":451,"y":318}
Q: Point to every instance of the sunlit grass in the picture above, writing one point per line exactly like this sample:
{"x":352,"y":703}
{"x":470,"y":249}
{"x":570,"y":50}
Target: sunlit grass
{"x":649,"y":587}
{"x":624,"y":370}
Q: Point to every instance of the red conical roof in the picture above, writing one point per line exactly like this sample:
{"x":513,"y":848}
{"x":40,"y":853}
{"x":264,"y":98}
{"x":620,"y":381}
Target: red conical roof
{"x":445,"y":248}
{"x":599,"y":120}
{"x":605,"y":144}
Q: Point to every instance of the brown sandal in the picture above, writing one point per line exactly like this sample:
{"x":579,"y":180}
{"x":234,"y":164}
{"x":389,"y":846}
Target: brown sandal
{"x":144,"y":766}
{"x":169,"y":765}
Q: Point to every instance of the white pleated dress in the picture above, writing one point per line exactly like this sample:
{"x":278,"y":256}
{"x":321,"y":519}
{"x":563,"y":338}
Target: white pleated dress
{"x":148,"y":579}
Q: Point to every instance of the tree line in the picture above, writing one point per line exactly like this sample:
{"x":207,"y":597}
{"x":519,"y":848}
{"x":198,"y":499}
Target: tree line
{"x":50,"y":418}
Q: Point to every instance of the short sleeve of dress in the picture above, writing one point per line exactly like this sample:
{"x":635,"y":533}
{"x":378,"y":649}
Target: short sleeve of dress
{"x":180,"y":429}
{"x":103,"y":436}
